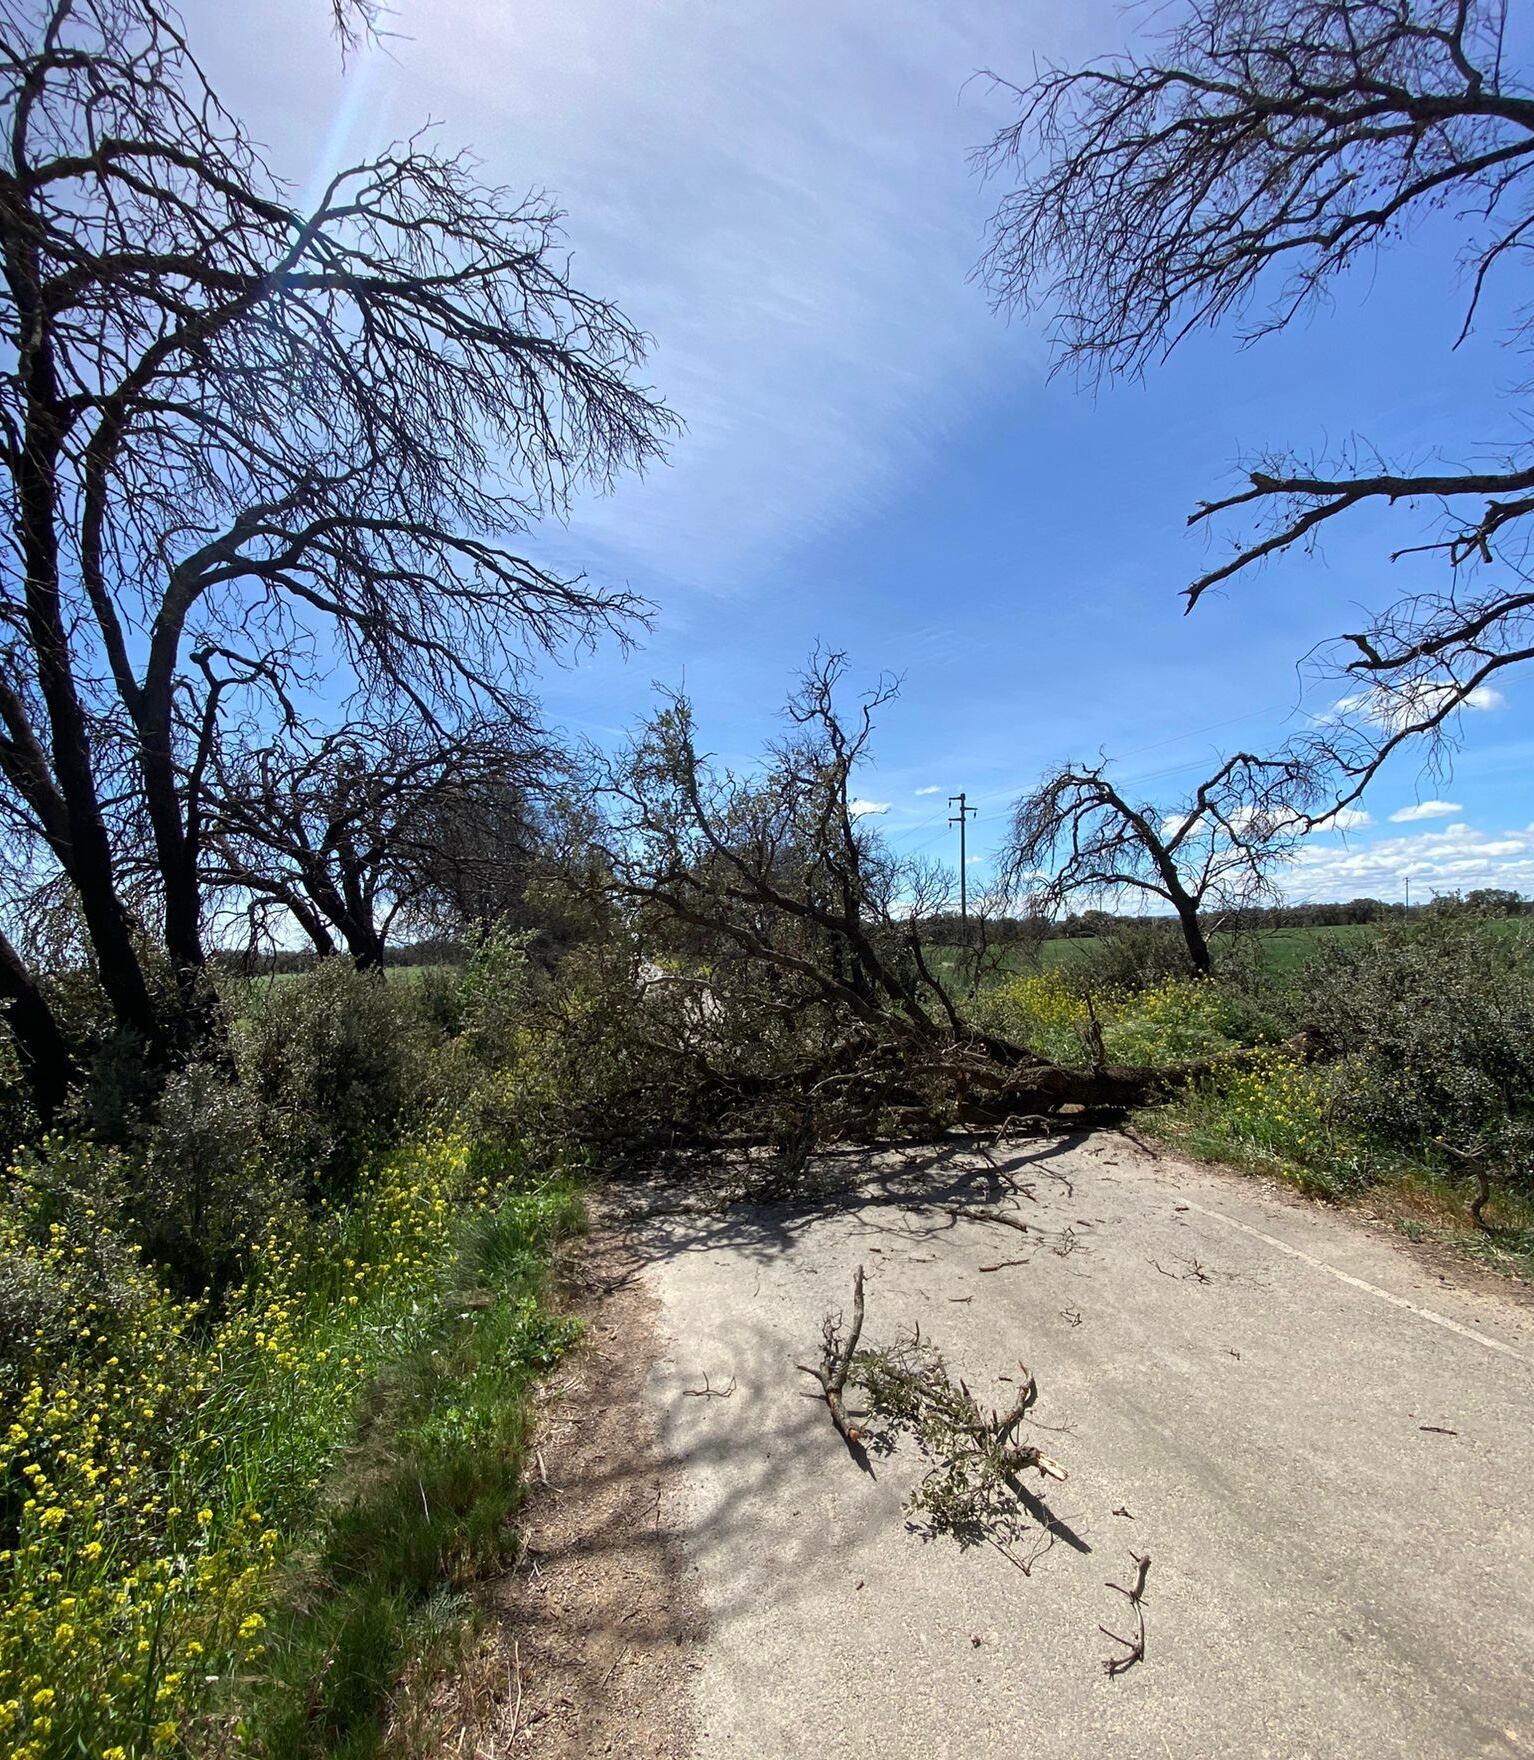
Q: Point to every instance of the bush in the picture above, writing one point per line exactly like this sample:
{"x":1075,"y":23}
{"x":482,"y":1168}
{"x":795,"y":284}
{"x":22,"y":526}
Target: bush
{"x":1135,"y":956}
{"x":65,"y":1262}
{"x":1435,"y":1014}
{"x":160,"y":1462}
{"x":208,"y":1176}
{"x":496,"y":989}
{"x":340,"y":1060}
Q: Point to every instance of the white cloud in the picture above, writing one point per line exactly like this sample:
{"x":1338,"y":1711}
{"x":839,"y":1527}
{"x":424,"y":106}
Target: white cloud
{"x":1458,"y":858}
{"x":932,"y":788}
{"x":861,"y":809}
{"x":1347,"y":819}
{"x":1393,"y":708}
{"x":1425,"y":810}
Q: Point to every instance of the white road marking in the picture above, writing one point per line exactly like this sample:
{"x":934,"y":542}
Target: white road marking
{"x":1373,"y":1289}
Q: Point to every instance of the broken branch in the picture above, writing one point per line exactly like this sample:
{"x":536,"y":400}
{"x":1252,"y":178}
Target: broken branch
{"x":835,"y":1363}
{"x":1134,"y":1648}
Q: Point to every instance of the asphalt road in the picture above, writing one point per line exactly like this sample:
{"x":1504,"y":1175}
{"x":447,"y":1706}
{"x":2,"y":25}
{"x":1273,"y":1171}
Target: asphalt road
{"x":1322,"y":1439}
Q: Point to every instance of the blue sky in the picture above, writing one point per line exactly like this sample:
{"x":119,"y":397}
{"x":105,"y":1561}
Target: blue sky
{"x":873,"y":460}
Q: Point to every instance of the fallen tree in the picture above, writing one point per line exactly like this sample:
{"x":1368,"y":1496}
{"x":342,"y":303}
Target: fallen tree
{"x":771,"y":986}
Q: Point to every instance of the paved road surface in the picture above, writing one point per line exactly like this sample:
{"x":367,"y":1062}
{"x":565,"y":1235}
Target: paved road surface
{"x":1254,"y":1378}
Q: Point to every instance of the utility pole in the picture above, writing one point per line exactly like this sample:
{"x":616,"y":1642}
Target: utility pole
{"x":1408,"y":892}
{"x":965,"y":813}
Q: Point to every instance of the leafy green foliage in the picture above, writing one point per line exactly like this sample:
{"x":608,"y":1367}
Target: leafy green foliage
{"x":340,"y":1059}
{"x":1436,"y":1017}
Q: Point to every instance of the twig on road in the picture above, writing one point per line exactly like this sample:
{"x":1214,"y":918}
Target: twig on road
{"x":708,"y":1392}
{"x":835,"y":1362}
{"x":1134,"y":1648}
{"x":989,"y":1216}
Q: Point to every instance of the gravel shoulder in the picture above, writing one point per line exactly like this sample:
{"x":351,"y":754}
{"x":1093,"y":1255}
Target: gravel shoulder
{"x":1322,"y":1439}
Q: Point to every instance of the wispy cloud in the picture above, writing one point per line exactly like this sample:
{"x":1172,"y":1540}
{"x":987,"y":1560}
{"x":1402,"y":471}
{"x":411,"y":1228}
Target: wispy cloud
{"x":931,"y":788}
{"x":1425,"y":810}
{"x":1348,"y":819}
{"x":1393,"y":709}
{"x":861,"y":809}
{"x":782,"y":196}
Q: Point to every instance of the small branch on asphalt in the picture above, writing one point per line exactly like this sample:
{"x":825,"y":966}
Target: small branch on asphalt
{"x":1134,"y":1648}
{"x":835,"y":1362}
{"x":708,"y":1392}
{"x":989,"y":1216}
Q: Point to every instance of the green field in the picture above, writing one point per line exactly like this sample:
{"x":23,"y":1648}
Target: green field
{"x":1283,"y":950}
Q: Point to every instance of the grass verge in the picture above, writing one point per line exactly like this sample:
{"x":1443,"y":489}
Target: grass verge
{"x":1276,"y":1119}
{"x":251,"y":1528}
{"x":375,"y":1606}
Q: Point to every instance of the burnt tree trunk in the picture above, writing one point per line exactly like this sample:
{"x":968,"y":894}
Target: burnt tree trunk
{"x":46,"y":1064}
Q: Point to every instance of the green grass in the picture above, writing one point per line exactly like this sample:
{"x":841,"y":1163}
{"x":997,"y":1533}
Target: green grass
{"x":254,"y":1523}
{"x":1283,"y":950}
{"x":425,"y":1506}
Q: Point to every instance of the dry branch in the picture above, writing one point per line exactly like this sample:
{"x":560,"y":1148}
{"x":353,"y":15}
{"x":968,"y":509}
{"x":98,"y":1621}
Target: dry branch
{"x":1134,"y":1648}
{"x":835,"y":1363}
{"x":987,"y":1216}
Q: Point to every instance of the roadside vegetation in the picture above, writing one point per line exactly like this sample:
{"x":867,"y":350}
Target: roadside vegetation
{"x":264,"y":1381}
{"x":1415,"y":1100}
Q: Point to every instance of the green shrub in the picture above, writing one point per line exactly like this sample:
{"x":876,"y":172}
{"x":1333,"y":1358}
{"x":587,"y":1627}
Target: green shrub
{"x":340,"y":1060}
{"x":1135,"y":956}
{"x":207,"y":1177}
{"x":496,"y":990}
{"x":1435,"y":1014}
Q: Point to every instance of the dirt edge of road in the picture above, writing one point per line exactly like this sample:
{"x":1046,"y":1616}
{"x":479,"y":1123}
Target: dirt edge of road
{"x":590,"y":1642}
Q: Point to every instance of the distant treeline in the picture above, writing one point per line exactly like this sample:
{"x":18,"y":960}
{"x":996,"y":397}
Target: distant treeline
{"x":947,"y":931}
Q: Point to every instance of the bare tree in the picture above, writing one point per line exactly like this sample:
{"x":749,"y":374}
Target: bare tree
{"x":341,"y":828}
{"x":1232,"y":170}
{"x":483,"y":847}
{"x":278,"y":440}
{"x":1214,"y":850}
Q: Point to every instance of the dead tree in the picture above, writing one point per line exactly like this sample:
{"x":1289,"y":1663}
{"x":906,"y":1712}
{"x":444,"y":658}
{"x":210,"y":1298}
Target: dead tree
{"x":1228,"y":170}
{"x":297,"y":443}
{"x":1213,"y":850}
{"x":341,"y":828}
